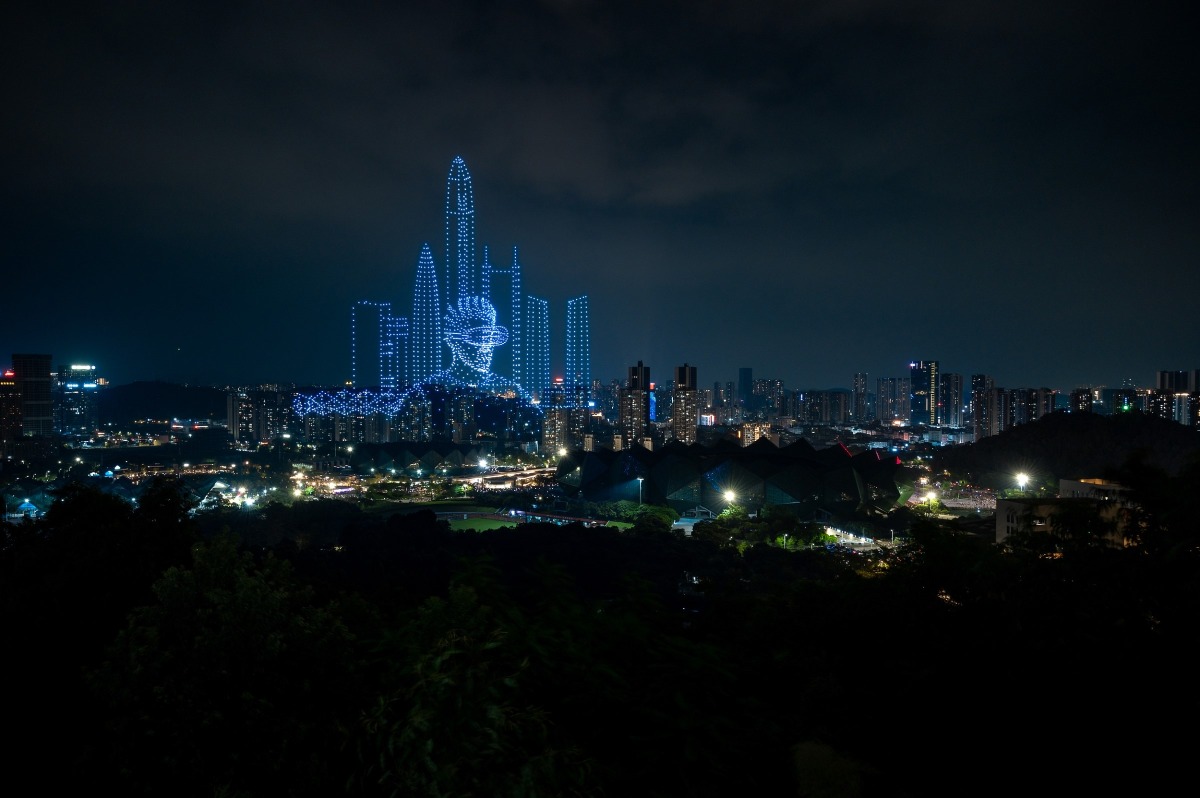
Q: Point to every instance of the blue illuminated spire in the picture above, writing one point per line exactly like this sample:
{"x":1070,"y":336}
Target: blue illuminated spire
{"x":425,"y":329}
{"x":460,"y":234}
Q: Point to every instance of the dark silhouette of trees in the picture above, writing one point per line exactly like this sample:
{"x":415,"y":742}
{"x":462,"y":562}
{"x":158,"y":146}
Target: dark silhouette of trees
{"x":318,"y":650}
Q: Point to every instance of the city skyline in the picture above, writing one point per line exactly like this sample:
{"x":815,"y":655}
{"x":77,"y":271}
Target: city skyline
{"x":201,"y":194}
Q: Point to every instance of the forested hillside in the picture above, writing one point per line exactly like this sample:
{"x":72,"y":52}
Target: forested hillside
{"x":1072,"y":446}
{"x":152,"y":652}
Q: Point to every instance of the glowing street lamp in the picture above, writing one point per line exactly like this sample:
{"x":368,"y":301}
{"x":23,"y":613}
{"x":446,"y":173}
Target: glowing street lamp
{"x":639,"y":479}
{"x":730,"y":496}
{"x":1022,"y":481}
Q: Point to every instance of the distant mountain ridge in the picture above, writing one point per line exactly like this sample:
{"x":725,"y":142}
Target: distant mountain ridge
{"x":125,"y":404}
{"x":1072,"y":446}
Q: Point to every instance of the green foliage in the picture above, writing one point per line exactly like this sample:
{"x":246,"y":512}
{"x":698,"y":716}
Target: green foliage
{"x":733,"y":512}
{"x":232,"y":679}
{"x":543,"y":660}
{"x":456,"y":721}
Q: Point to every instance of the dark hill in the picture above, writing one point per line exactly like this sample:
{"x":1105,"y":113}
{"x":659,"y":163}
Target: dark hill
{"x":123,"y":404}
{"x":1071,"y":446}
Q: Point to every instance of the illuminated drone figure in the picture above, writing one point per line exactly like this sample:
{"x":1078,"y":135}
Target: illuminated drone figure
{"x":472,"y":334}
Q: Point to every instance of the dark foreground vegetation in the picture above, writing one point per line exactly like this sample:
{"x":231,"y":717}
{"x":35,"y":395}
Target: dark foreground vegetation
{"x":151,"y":652}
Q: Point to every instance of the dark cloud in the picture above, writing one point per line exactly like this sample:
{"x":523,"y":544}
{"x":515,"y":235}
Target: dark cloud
{"x":811,"y":189}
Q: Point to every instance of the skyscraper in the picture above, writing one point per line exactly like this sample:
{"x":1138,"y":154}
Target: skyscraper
{"x":859,"y":391}
{"x":893,"y":400}
{"x":425,"y":333}
{"x":982,"y":405}
{"x":685,"y":405}
{"x":556,"y":420}
{"x":925,"y":382}
{"x":10,"y":412}
{"x":76,"y":400}
{"x":634,"y":421}
{"x":579,"y":364}
{"x":34,"y":386}
{"x":951,"y":395}
{"x":536,"y":347}
{"x":460,"y":234}
{"x":745,"y":388}
{"x":1176,"y":381}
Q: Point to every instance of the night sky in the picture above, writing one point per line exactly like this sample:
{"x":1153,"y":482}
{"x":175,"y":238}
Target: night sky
{"x":200,"y":192}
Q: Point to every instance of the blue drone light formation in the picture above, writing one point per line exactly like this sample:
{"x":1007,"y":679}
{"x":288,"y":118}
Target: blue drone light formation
{"x":468,"y":328}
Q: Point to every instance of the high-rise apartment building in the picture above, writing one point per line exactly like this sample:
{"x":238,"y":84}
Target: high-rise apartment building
{"x":1000,"y":410}
{"x":634,"y":420}
{"x":1177,"y":381}
{"x":952,"y":400}
{"x":10,"y":412}
{"x":608,"y":397}
{"x":823,"y":407}
{"x":859,"y":392}
{"x":262,"y":415}
{"x":1161,"y":403}
{"x":925,"y":382}
{"x":893,"y":400}
{"x":745,"y":387}
{"x":76,"y":400}
{"x":981,"y":387}
{"x":685,"y":405}
{"x":556,"y":420}
{"x":767,"y":394}
{"x":1183,"y":387}
{"x":1035,"y":403}
{"x":579,"y":357}
{"x":34,"y":380}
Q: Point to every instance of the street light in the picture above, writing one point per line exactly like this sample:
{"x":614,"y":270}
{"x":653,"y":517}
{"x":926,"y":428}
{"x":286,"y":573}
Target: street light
{"x":1022,"y":481}
{"x":639,"y":479}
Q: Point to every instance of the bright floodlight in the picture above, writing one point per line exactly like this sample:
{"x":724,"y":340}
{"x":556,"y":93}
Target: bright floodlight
{"x":730,"y":495}
{"x":1022,"y":479}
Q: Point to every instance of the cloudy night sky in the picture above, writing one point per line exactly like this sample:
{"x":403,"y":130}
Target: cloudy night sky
{"x":200,"y":192}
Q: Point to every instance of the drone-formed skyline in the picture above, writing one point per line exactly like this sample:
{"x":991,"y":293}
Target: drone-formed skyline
{"x":200,"y":193}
